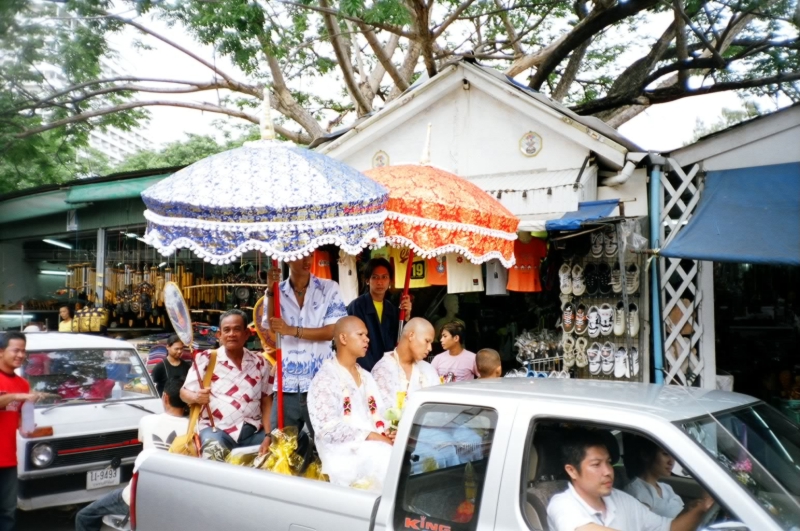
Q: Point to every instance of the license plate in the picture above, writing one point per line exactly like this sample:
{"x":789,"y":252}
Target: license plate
{"x":97,"y":479}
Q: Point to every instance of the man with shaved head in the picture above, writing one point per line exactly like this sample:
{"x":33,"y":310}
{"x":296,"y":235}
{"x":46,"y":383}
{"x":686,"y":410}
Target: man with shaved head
{"x":345,"y":407}
{"x":401,"y":372}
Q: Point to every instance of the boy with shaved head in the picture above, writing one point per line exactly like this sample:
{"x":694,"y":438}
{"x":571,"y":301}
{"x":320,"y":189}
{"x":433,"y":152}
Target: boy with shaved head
{"x":345,"y":407}
{"x":401,"y":372}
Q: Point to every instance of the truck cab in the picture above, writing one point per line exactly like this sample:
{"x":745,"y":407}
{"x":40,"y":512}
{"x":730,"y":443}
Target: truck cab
{"x":86,"y":436}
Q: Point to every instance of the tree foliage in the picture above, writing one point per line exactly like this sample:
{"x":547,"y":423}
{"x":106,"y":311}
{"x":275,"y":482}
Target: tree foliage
{"x":608,"y":58}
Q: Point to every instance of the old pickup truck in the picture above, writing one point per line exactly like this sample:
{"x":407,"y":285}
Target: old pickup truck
{"x":503,"y":474}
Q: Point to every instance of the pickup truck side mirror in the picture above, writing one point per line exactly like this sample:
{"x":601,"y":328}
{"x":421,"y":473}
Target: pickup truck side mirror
{"x":730,"y":526}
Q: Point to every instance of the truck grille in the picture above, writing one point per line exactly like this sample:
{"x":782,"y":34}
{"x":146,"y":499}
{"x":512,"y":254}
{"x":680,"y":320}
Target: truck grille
{"x":90,"y":448}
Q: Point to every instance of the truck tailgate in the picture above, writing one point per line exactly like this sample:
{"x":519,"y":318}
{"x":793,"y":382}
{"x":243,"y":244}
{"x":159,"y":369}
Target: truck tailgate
{"x":178,"y":492}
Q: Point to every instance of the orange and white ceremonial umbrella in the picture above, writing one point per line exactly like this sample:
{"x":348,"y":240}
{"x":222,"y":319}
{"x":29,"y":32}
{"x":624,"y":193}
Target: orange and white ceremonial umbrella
{"x":434,"y":212}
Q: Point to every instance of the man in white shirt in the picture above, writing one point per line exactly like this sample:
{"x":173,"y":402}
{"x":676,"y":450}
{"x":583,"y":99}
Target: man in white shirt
{"x":156,"y":432}
{"x":344,"y":405}
{"x":592,"y":504}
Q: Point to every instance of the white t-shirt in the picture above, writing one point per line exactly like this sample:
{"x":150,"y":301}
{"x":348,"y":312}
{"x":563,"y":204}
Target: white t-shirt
{"x":668,"y":504}
{"x":568,"y":511}
{"x":462,"y":275}
{"x":496,"y":278}
{"x":348,"y":277}
{"x":156,"y":432}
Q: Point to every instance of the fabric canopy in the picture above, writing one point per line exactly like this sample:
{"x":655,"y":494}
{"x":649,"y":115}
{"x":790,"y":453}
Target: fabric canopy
{"x":588,"y":211}
{"x":748,"y":215}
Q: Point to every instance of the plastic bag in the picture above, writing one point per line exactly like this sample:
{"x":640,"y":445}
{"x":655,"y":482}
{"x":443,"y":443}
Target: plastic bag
{"x":282,"y":458}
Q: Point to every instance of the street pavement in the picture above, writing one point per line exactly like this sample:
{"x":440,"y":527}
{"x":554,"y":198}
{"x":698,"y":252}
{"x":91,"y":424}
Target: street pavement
{"x":46,"y":520}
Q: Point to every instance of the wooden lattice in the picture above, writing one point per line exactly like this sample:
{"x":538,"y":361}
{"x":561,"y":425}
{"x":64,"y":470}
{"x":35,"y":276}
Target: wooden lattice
{"x":686,"y":286}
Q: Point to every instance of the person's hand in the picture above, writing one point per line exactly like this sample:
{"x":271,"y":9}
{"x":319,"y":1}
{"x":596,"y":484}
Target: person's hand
{"x":279,"y":326}
{"x":706,"y":502}
{"x":273,"y":276}
{"x":405,"y":304}
{"x":264,"y":448}
{"x":392,"y":435}
{"x":374,"y":436}
{"x":203,"y":397}
{"x":31,"y":397}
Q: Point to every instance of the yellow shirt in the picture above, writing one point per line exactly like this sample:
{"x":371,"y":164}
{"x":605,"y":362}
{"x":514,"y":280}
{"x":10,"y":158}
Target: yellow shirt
{"x":379,"y":309}
{"x":65,"y":326}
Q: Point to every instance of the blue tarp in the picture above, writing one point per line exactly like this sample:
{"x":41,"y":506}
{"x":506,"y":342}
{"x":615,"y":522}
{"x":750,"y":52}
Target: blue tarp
{"x":588,"y":211}
{"x":747,"y":215}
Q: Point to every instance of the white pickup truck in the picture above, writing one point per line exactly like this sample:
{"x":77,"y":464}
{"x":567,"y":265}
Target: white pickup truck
{"x":86,"y":436}
{"x":741,"y":451}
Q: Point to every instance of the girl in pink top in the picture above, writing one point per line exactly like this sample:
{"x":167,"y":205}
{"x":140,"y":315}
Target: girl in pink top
{"x":457,"y":364}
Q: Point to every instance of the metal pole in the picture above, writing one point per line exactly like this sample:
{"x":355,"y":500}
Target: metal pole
{"x":100,"y":270}
{"x":655,"y":295}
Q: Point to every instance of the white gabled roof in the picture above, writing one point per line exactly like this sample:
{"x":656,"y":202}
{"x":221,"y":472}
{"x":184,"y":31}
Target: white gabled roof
{"x":588,"y":132}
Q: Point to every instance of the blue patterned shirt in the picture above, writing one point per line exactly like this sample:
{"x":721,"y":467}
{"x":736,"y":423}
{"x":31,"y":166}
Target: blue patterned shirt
{"x":302,"y":358}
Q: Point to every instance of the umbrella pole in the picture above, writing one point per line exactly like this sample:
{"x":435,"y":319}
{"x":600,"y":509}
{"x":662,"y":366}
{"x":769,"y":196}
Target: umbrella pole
{"x":276,"y":312}
{"x":405,"y":293}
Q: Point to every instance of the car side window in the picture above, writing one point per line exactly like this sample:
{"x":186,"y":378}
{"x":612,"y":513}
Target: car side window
{"x":444,"y":468}
{"x":633,"y":457}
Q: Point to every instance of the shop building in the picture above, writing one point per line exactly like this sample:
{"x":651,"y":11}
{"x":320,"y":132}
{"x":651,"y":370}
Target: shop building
{"x":730,"y":248}
{"x":551,"y":168}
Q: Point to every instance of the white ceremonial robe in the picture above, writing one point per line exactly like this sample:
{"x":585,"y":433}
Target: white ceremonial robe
{"x":347,"y":457}
{"x":391,"y":379}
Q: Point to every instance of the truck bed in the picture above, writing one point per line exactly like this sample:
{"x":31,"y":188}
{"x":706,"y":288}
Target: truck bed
{"x":178,"y":492}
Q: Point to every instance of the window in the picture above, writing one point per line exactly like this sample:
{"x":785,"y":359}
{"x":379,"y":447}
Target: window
{"x":79,"y":375}
{"x":632,"y":456}
{"x":444,"y":468}
{"x":761,"y":449}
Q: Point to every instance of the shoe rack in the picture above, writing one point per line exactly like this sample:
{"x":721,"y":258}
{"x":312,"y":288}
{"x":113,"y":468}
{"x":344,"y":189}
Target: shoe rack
{"x":598,"y":276}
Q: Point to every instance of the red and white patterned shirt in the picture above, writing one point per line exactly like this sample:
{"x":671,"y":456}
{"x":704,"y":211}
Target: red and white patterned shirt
{"x":235,"y":394}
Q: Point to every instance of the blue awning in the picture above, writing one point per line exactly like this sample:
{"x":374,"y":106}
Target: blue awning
{"x":748,"y":215}
{"x":588,"y":211}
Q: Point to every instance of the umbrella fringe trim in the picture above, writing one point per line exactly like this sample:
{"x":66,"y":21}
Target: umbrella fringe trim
{"x":401,"y":241}
{"x":267,"y":226}
{"x":449,"y":225}
{"x":371,"y":239}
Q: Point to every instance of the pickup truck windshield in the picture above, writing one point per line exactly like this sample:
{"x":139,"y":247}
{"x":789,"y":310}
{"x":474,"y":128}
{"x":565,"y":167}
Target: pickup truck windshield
{"x":79,"y":375}
{"x":760,"y":448}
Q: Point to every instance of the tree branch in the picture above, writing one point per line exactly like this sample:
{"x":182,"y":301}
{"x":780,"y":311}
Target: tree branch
{"x":383,"y":58}
{"x":339,"y":49}
{"x":512,"y":34}
{"x":452,"y":17}
{"x":597,"y":21}
{"x":327,"y":10}
{"x":407,"y":68}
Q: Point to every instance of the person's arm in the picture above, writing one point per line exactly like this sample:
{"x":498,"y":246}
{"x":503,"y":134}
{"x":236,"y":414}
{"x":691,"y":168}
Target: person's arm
{"x":159,"y":375}
{"x":692,"y":515}
{"x":324,"y":333}
{"x":593,"y":527}
{"x":8,"y":398}
{"x":191,"y":392}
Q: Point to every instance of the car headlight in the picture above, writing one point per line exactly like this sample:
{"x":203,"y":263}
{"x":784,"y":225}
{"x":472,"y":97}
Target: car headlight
{"x":42,"y":455}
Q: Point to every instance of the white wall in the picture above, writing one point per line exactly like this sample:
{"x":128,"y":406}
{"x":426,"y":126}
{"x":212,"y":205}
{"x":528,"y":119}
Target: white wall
{"x":779,"y":148}
{"x":473,"y":134}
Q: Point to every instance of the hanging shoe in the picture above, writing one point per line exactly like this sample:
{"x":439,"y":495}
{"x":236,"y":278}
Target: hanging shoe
{"x":619,"y":319}
{"x":632,"y":279}
{"x":565,"y":278}
{"x":580,"y":320}
{"x":590,"y":279}
{"x":604,"y":279}
{"x":581,"y":360}
{"x":606,"y":319}
{"x":593,"y":354}
{"x":633,"y":320}
{"x":616,"y":278}
{"x":578,"y":284}
{"x":610,"y":242}
{"x":635,"y":361}
{"x":568,"y":318}
{"x":593,"y":322}
{"x":607,"y":357}
{"x":597,"y":244}
{"x":621,"y":363}
{"x":565,"y":298}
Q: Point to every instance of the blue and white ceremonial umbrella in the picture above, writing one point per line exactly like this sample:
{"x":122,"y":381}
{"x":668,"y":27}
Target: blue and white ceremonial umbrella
{"x":269,"y":196}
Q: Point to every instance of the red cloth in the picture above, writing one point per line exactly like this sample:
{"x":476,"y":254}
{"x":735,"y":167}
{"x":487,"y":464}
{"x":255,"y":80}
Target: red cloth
{"x":10,"y":418}
{"x":437,"y":271}
{"x":321,"y":265}
{"x":524,"y":276}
